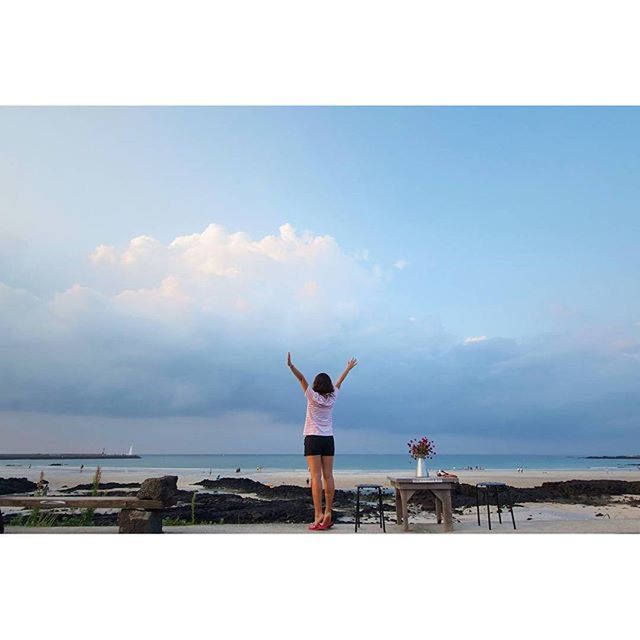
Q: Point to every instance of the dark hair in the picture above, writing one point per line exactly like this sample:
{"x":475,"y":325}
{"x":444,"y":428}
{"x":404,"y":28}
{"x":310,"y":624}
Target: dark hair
{"x":322,"y":384}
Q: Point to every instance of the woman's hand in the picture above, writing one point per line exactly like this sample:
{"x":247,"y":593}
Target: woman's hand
{"x":297,"y":373}
{"x":352,"y":363}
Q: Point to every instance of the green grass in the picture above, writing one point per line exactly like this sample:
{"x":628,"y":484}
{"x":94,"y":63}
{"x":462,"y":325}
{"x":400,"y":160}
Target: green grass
{"x":38,"y":518}
{"x":86,"y":519}
{"x":175,"y":522}
{"x":181,"y":522}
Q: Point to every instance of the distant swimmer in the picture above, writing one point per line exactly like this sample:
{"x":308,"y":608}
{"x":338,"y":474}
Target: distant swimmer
{"x":81,"y":468}
{"x":238,"y":470}
{"x":218,"y":477}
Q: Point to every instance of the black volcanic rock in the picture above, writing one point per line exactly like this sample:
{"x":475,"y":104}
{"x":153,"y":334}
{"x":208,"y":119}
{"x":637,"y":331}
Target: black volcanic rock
{"x":102,"y":486}
{"x":163,"y":489}
{"x":568,"y":491}
{"x":283,"y":491}
{"x":241,"y":485}
{"x":136,"y":521}
{"x":235,"y":509}
{"x":16,"y":485}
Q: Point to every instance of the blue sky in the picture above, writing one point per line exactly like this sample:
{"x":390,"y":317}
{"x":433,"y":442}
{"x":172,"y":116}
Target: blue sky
{"x":482,"y":263}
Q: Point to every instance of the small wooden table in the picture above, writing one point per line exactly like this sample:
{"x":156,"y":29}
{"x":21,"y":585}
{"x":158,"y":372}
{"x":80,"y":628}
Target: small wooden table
{"x":440,"y":488}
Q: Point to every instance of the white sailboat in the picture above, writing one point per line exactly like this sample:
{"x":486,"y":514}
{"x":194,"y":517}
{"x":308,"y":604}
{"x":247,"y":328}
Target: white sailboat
{"x":130,"y":451}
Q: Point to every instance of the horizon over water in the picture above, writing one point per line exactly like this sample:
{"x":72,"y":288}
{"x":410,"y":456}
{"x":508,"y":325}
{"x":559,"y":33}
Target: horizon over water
{"x":346,"y":462}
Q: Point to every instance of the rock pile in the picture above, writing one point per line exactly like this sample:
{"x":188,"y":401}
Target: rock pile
{"x":16,"y":485}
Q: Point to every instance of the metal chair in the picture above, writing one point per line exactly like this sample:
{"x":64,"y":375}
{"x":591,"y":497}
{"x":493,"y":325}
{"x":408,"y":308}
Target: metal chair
{"x":380,"y":509}
{"x":497,"y":487}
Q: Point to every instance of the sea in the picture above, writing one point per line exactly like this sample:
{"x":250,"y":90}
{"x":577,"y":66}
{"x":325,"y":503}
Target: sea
{"x":346,"y":462}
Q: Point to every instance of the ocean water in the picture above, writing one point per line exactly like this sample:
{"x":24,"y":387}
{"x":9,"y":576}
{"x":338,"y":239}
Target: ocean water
{"x":222,"y":463}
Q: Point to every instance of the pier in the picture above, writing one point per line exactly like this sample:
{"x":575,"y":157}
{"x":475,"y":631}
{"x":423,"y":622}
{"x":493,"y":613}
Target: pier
{"x":66,"y":456}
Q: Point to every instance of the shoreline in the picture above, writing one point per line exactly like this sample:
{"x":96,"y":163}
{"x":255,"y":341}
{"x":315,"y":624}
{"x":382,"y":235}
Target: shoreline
{"x":68,"y":456}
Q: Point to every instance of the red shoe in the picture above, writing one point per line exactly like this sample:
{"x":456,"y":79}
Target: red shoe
{"x":315,"y":526}
{"x":324,"y":527}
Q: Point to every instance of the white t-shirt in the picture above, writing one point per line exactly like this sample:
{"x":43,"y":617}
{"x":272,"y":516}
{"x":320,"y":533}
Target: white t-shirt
{"x":319,"y":421}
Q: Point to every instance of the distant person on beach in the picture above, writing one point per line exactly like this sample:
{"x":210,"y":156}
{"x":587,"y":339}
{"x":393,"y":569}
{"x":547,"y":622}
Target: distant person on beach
{"x":319,"y":445}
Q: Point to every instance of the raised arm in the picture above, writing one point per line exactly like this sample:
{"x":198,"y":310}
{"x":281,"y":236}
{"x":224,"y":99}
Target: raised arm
{"x":352,"y":363}
{"x":296,"y":373}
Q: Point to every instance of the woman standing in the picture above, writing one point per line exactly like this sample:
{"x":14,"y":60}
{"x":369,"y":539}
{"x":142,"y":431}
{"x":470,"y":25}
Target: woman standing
{"x":319,"y":446}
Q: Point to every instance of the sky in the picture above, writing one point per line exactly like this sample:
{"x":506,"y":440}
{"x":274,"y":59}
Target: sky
{"x":156,"y":265}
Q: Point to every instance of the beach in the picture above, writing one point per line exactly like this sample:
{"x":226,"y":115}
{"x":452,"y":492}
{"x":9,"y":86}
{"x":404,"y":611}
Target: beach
{"x":611,"y":514}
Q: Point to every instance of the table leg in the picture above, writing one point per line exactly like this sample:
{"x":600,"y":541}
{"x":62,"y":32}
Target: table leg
{"x":405,"y":509}
{"x":398,"y":507}
{"x":447,"y":510}
{"x":513,"y":519}
{"x":438,"y":508}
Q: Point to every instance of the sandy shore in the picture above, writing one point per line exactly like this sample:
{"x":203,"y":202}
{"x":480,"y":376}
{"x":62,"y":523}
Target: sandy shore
{"x":69,"y":476}
{"x":530,"y":517}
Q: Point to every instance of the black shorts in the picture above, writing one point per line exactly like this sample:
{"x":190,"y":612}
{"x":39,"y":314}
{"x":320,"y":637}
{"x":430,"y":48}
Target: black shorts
{"x":319,"y":446}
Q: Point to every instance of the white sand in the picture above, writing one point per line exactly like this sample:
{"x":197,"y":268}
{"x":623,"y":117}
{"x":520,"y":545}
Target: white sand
{"x":70,"y":476}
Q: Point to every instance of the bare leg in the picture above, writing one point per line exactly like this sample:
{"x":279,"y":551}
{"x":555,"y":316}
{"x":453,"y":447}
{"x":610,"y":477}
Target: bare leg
{"x":315,"y":470}
{"x":329,"y":486}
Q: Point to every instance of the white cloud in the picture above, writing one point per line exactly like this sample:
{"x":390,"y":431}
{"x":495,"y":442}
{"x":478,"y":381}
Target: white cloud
{"x":190,"y":325}
{"x":400,"y":264}
{"x":282,"y":279}
{"x":103,"y":253}
{"x":474,"y":339}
